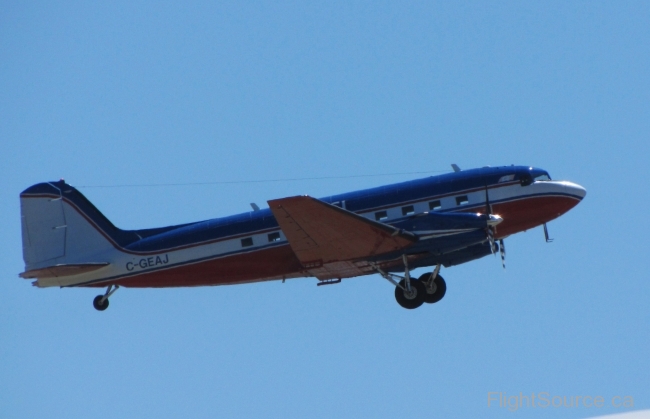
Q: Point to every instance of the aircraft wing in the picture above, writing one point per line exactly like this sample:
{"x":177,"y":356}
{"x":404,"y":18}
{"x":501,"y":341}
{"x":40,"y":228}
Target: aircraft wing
{"x":326,"y":238}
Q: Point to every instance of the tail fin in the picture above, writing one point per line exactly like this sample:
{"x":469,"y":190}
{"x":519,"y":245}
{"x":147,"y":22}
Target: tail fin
{"x":62,"y":229}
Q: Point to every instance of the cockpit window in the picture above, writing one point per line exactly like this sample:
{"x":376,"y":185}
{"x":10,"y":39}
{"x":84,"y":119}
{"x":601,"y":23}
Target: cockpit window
{"x":533,"y":175}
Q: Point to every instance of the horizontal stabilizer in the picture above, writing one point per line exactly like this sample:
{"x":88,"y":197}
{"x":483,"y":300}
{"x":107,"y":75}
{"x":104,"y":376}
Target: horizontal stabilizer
{"x":320,"y":233}
{"x":62,"y":270}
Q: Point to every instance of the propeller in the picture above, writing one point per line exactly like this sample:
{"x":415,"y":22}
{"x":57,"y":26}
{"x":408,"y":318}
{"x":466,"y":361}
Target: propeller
{"x":493,"y":220}
{"x":490,"y":229}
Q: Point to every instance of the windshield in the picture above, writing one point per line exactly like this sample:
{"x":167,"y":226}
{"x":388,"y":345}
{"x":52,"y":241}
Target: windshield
{"x":531,"y":175}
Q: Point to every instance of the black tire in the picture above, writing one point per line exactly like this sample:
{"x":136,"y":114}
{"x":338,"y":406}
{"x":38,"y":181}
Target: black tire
{"x":97,"y":303}
{"x":410,"y":301}
{"x":433,"y":295}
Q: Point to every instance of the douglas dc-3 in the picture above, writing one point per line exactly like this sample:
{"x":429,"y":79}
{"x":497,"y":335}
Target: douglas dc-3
{"x":437,"y":221}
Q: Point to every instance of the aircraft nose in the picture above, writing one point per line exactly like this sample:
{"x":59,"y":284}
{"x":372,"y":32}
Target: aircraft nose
{"x":575,"y":189}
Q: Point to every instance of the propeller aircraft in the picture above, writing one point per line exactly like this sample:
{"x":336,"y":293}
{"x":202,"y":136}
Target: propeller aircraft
{"x":437,"y":221}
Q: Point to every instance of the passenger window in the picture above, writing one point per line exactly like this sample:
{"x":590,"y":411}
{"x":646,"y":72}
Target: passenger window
{"x":274,"y":237}
{"x":248,"y":241}
{"x":381,"y":216}
{"x":408,"y":210}
{"x":462,"y":200}
{"x":526,"y":179}
{"x":434,"y":205}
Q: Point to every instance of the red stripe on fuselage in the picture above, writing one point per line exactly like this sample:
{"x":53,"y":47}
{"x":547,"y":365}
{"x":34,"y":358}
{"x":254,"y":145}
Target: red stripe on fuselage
{"x":528,"y":212}
{"x":280,"y":262}
{"x":273,"y":263}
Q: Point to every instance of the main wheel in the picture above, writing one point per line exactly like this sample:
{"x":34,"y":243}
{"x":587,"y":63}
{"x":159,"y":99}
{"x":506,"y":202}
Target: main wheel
{"x":437,"y":290}
{"x":411,"y":300}
{"x":98,"y":304}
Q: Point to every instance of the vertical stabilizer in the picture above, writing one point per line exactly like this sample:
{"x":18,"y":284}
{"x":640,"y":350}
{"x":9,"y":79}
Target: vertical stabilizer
{"x":61,"y":228}
{"x":43,"y":228}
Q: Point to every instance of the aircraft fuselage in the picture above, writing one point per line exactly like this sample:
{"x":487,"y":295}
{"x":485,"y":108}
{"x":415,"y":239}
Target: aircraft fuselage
{"x":252,"y":246}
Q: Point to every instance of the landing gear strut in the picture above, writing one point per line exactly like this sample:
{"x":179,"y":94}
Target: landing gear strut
{"x":101,"y":301}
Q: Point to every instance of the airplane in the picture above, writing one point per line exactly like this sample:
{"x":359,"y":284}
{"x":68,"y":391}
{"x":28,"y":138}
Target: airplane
{"x":442,"y":220}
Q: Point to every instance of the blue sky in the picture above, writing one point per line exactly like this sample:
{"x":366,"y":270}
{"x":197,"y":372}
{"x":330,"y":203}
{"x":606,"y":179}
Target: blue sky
{"x":127,"y":93}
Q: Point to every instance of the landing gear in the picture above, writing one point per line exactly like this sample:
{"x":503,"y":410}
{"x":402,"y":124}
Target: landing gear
{"x":101,"y":301}
{"x":413,"y":298}
{"x":435,"y":289}
{"x":412,"y":293}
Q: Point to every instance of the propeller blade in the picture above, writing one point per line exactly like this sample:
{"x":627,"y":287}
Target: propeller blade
{"x":502,"y":247}
{"x":488,"y":207}
{"x":490,"y":234}
{"x":490,"y":229}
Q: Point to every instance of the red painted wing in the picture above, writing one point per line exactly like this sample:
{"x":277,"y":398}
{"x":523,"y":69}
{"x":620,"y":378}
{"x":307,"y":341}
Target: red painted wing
{"x":321,"y":234}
